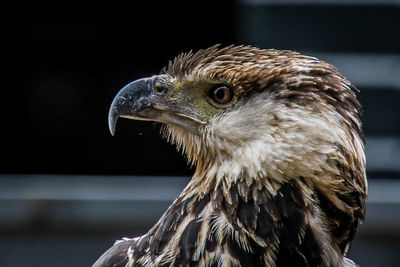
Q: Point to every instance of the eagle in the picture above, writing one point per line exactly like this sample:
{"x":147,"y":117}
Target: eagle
{"x":276,"y":140}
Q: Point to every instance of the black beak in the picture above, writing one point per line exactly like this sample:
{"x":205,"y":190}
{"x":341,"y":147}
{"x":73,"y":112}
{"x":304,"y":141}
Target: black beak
{"x":139,"y":101}
{"x":130,"y":100}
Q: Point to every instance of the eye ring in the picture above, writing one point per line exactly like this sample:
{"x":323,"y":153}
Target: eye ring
{"x":221,"y":94}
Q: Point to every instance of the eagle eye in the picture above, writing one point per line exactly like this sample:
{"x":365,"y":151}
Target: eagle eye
{"x":221,"y":94}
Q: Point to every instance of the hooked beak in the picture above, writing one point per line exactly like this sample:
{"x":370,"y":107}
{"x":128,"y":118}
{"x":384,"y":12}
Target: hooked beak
{"x":139,"y":101}
{"x":129,"y":101}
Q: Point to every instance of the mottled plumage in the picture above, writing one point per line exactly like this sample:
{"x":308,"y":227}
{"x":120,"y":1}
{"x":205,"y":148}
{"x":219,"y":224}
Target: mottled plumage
{"x":278,"y":147}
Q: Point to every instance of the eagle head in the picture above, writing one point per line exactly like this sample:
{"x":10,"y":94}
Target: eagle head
{"x":255,"y":119}
{"x":269,"y":113}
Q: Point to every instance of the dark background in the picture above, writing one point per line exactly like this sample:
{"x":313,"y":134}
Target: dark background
{"x":63,"y":62}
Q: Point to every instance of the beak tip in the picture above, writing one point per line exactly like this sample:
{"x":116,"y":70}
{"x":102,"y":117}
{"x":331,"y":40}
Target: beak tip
{"x":112,"y":121}
{"x":112,"y":128}
{"x":112,"y":131}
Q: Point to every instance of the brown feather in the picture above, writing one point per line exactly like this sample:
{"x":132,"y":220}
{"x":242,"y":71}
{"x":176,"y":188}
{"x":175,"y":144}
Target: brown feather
{"x":287,"y":214}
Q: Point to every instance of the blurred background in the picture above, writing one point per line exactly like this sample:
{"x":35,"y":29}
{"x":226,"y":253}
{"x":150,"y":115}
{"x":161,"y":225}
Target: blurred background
{"x":68,"y":189}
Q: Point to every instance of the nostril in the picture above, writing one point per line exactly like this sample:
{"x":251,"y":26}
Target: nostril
{"x":160,"y":89}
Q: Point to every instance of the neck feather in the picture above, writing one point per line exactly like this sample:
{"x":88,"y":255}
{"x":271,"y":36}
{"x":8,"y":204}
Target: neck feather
{"x":252,"y":225}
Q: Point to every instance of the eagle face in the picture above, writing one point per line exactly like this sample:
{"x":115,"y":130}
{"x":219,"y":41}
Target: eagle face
{"x":267,"y":112}
{"x":273,"y":131}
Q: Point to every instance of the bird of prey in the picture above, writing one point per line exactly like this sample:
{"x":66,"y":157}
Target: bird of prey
{"x":278,"y":147}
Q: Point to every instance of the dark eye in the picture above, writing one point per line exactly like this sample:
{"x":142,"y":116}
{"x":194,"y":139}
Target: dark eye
{"x":221,"y":94}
